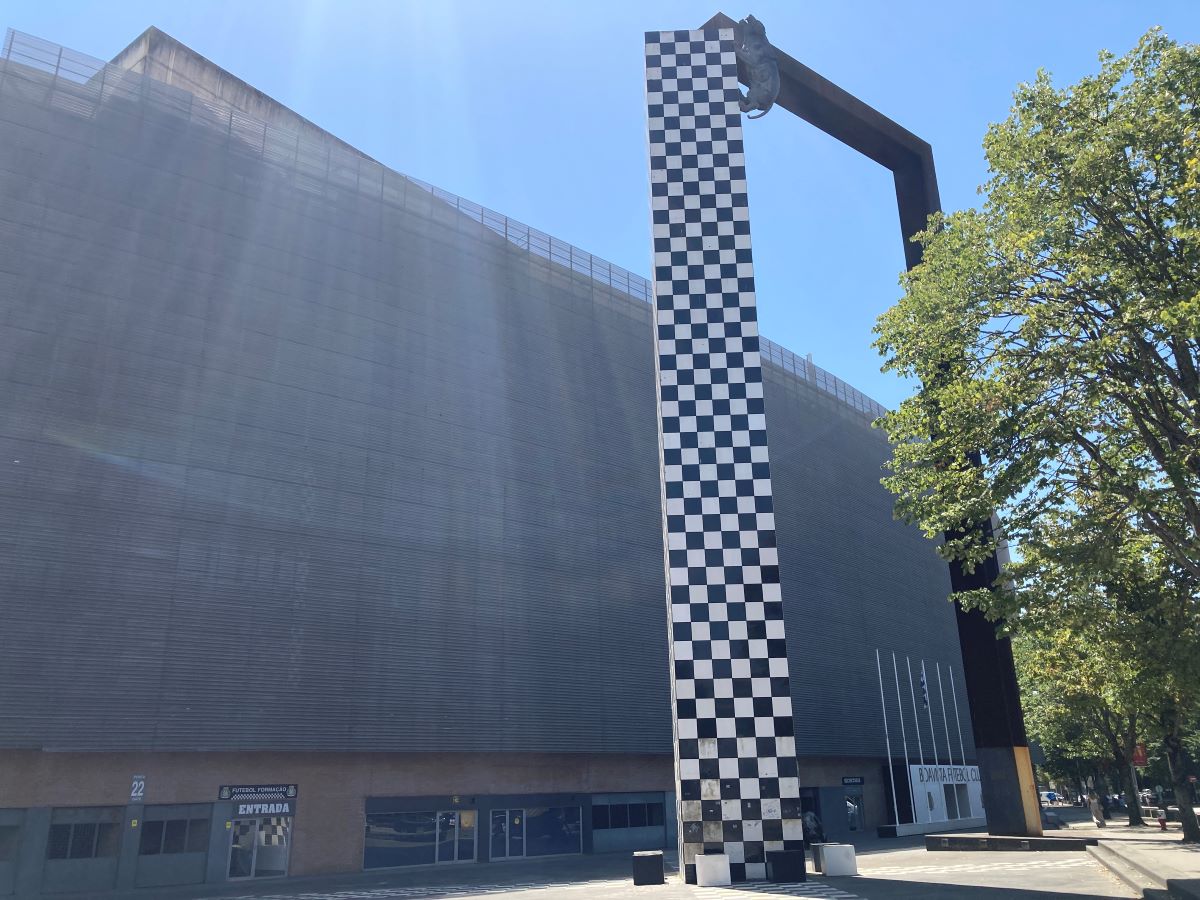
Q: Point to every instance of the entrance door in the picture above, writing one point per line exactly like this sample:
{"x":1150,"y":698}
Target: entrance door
{"x":456,"y":835}
{"x":855,"y":814}
{"x":508,"y":833}
{"x":259,"y":848}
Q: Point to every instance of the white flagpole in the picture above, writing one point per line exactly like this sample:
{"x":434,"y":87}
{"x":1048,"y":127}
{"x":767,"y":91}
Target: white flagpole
{"x":929,"y":709}
{"x":916,"y":719}
{"x":954,"y":696}
{"x":945,"y":721}
{"x":904,"y":734}
{"x":887,"y":739}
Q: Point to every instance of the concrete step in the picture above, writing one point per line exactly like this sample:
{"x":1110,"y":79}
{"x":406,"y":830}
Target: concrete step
{"x":1133,"y":875}
{"x":1136,"y":871}
{"x":975,"y":841}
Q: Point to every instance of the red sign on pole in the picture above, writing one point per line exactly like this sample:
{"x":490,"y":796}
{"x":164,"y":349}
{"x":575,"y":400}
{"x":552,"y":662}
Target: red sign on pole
{"x":1139,"y":755}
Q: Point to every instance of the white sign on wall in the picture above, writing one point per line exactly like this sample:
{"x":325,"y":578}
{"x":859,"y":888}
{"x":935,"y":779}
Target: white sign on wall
{"x":945,"y":793}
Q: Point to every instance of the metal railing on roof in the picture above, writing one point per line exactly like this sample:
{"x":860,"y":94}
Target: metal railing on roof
{"x":80,"y":84}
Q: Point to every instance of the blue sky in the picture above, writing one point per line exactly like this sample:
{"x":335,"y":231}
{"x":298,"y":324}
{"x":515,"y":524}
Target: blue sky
{"x":535,"y":109}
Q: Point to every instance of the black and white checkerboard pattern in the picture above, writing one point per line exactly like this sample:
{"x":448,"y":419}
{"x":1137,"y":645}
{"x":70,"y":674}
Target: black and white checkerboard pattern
{"x":735,"y":749}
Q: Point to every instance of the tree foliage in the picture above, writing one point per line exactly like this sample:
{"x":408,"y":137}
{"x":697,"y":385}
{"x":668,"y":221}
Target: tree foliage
{"x":1098,"y":658}
{"x":1054,"y":331}
{"x":1084,"y":720}
{"x":1055,"y":336}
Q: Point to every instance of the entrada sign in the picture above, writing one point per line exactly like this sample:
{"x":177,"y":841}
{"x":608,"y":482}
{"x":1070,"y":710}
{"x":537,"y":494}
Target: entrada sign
{"x":278,"y":808}
{"x":261,"y":799}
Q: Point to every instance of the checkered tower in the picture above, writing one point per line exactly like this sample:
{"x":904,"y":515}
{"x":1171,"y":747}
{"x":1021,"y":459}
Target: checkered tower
{"x":735,"y":750}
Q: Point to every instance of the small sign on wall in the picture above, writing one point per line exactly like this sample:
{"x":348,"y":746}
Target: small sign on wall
{"x":242,"y":793}
{"x":137,"y":789}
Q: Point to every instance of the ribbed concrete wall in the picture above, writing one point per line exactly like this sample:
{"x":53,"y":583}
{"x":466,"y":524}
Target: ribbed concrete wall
{"x":288,"y":471}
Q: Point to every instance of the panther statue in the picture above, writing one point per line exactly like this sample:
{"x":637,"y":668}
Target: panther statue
{"x":757,"y":54}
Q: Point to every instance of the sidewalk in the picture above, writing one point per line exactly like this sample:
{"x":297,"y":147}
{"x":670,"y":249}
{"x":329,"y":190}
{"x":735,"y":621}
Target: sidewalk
{"x":1147,"y":858}
{"x":429,"y":881}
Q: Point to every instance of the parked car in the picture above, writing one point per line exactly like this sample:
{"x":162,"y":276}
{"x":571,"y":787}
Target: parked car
{"x":1048,"y":797}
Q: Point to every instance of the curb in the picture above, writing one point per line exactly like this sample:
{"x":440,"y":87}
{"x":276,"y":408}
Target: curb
{"x":1151,"y":884}
{"x":1126,"y":870}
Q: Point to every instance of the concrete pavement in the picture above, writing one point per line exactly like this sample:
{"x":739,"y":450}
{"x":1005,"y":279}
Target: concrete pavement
{"x":1147,"y":858}
{"x":888,"y":871}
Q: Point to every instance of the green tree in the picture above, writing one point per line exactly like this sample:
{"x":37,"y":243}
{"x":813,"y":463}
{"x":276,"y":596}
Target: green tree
{"x":1055,"y":335}
{"x":1078,"y":709}
{"x":1111,"y":622}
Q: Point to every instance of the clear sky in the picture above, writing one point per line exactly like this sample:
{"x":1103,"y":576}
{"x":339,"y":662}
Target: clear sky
{"x":535,"y":109}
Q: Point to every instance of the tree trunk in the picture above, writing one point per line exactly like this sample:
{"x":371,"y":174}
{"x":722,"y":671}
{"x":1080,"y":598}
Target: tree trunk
{"x":1173,"y":744}
{"x":1120,"y":747}
{"x":1132,"y":803}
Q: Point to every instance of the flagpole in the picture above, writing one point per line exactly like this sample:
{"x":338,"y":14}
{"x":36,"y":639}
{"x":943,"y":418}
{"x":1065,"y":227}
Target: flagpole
{"x":887,"y":740}
{"x":916,"y":718}
{"x":945,"y":721}
{"x":954,"y":696}
{"x":904,"y":734}
{"x":929,"y":709}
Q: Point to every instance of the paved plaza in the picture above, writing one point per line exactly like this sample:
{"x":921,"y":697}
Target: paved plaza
{"x":893,"y":871}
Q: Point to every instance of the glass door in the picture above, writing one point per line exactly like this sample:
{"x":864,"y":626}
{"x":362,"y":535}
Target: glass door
{"x":456,"y":836}
{"x":499,"y":834}
{"x":271,"y":848}
{"x":508,"y":833}
{"x":466,"y":835}
{"x":516,"y":833}
{"x":241,"y":848}
{"x":855,"y":819}
{"x":259,"y":848}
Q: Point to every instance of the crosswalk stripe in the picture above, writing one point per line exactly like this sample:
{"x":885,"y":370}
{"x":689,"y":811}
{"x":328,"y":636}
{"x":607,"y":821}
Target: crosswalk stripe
{"x":1016,"y":865}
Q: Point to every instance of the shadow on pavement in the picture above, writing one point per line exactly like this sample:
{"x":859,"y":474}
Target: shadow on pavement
{"x":911,"y":889}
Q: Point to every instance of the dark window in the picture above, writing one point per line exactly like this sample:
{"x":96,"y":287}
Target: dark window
{"x":83,"y":840}
{"x":599,"y":817}
{"x":175,"y":836}
{"x":151,"y":842}
{"x":59,"y":843}
{"x":552,"y":829}
{"x":618,"y":815}
{"x":197,"y":839}
{"x":627,"y":815}
{"x":9,"y":835}
{"x":400,"y":839}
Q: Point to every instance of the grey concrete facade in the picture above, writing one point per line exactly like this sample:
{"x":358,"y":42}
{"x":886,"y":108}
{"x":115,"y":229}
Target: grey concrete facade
{"x":291,"y":465}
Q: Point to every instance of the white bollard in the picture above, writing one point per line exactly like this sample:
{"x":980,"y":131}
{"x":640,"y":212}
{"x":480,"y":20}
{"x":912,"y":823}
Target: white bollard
{"x":712,"y":870}
{"x":838,"y":859}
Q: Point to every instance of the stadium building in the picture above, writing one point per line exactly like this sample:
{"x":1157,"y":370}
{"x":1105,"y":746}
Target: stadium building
{"x":330,"y":524}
